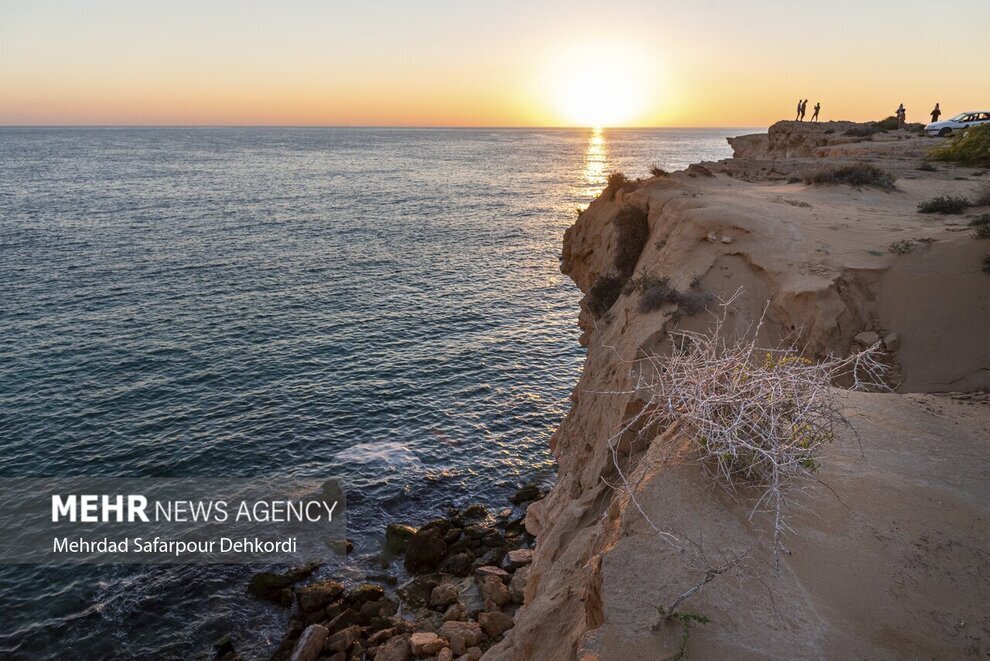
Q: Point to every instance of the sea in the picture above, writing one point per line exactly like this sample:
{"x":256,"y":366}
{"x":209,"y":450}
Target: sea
{"x":380,"y":305}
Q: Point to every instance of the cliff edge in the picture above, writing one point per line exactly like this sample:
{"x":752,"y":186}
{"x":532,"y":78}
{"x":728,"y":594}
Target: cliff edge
{"x":887,"y":553}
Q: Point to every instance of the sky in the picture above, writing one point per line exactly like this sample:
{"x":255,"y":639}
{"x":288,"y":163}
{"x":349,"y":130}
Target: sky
{"x":468,"y":63}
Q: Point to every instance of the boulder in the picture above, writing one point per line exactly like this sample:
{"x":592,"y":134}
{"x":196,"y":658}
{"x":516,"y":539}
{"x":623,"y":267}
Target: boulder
{"x":867,"y":338}
{"x":443,"y":595}
{"x":469,"y":632}
{"x":489,"y":570}
{"x":424,"y":643}
{"x":318,"y":596}
{"x":892,"y":341}
{"x":364,"y":593}
{"x":275,"y":587}
{"x":397,"y":536}
{"x":495,"y":623}
{"x":517,"y":558}
{"x":471,"y":598}
{"x":310,"y":643}
{"x":425,"y":551}
{"x":348,"y":618}
{"x":396,"y":649}
{"x":343,"y":639}
{"x":416,"y":592}
{"x":494,"y":592}
{"x":380,"y":637}
{"x":458,"y":564}
{"x":476,"y":511}
{"x":454,"y":612}
{"x":517,"y":586}
{"x":527,"y":493}
{"x":445,"y":655}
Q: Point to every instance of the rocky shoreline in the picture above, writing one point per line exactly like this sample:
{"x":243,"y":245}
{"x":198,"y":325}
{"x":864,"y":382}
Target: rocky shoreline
{"x":467,"y":575}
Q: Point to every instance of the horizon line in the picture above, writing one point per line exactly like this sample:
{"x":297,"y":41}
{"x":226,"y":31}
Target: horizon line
{"x":359,"y":126}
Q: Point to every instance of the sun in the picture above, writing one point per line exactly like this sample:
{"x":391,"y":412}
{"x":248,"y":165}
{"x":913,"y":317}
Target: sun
{"x":600,"y":85}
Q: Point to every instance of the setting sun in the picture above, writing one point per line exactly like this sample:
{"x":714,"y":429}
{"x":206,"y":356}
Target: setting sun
{"x":599,"y":85}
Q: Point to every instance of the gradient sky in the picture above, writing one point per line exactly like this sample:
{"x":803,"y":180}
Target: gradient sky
{"x":467,"y":63}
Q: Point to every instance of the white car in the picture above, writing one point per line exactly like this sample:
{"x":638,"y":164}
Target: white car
{"x":961,"y":121}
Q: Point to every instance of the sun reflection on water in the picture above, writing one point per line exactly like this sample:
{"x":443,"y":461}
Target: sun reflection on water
{"x":595,"y":162}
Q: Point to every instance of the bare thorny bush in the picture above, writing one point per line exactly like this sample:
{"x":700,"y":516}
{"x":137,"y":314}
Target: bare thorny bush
{"x":757,"y":418}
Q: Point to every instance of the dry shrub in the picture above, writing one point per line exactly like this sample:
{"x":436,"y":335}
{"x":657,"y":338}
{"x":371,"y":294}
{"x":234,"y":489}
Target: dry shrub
{"x":948,"y":204}
{"x":758,"y":417}
{"x":858,"y":175}
{"x":615,"y":182}
{"x":604,"y":293}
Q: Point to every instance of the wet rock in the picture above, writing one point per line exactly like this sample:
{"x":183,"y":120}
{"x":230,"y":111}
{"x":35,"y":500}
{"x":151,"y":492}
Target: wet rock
{"x":310,"y":643}
{"x":396,"y":649}
{"x":364,"y":593}
{"x":397,"y":536}
{"x":318,"y":596}
{"x":443,"y":595}
{"x":469,"y":632}
{"x":274,"y":587}
{"x":476,"y":511}
{"x":426,"y":642}
{"x":517,"y":558}
{"x":425,"y":551}
{"x":443,"y":525}
{"x":416,"y":592}
{"x":452,"y":535}
{"x":527,"y":493}
{"x":223,"y":646}
{"x":495,"y":623}
{"x":343,"y":639}
{"x":459,"y":564}
{"x":372,"y":610}
{"x":494,"y":592}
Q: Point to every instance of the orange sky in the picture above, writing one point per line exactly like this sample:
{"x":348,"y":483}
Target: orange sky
{"x":439,"y":62}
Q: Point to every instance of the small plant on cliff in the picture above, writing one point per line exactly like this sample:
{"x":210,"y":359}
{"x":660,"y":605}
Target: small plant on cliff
{"x":687,"y":619}
{"x":657,"y":171}
{"x":982,"y":198}
{"x":902,"y":247}
{"x":614,"y":184}
{"x":759,"y":417}
{"x":604,"y":293}
{"x":982,"y":232}
{"x":858,"y":175}
{"x":971,"y":147}
{"x":631,"y":232}
{"x":947,"y":204}
{"x":982,"y":219}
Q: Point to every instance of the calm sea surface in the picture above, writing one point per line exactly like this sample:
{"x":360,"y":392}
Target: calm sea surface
{"x":380,"y":304}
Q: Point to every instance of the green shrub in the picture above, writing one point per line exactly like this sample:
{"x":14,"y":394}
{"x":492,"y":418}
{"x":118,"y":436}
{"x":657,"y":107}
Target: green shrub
{"x":887,"y":124}
{"x":944,"y":204}
{"x":615,"y":182}
{"x":971,"y":147}
{"x":858,"y":175}
{"x":982,"y":219}
{"x":982,"y":198}
{"x":604,"y":293}
{"x":982,"y":232}
{"x":631,"y":232}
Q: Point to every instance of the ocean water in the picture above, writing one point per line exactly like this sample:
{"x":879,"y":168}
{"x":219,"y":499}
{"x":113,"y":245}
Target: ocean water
{"x":383,"y":305}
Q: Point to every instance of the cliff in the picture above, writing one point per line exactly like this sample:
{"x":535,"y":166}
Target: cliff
{"x":887,"y":554}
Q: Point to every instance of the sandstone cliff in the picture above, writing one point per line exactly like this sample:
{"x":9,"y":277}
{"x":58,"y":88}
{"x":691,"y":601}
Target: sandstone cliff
{"x":888,"y":552}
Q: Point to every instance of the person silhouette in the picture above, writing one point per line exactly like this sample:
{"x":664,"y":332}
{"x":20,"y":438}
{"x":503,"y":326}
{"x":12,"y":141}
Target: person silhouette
{"x":936,"y":113}
{"x":797,"y":117}
{"x":804,"y":108}
{"x":818,"y":107}
{"x":901,"y":117}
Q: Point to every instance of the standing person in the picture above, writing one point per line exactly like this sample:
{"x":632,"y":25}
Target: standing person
{"x":797,"y":117}
{"x":818,"y":107}
{"x":901,"y":115}
{"x":936,"y":113}
{"x":804,"y":108}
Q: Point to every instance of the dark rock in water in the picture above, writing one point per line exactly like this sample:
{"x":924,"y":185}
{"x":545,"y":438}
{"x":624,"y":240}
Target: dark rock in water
{"x":383,"y":578}
{"x":223,"y":646}
{"x":517,"y":526}
{"x":343,"y":639}
{"x":397,"y":536}
{"x":415,"y":592}
{"x":364,"y":593}
{"x":529,"y":492}
{"x":425,"y":551}
{"x":275,"y":587}
{"x":443,"y":525}
{"x":452,"y":535}
{"x":458,"y":564}
{"x":318,"y":596}
{"x":476,"y":511}
{"x":377,"y":609}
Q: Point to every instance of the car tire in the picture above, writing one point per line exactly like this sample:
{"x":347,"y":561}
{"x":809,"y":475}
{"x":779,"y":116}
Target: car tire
{"x":944,"y":133}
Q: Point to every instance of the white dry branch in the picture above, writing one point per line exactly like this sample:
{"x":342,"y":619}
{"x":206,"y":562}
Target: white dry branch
{"x":759,"y":417}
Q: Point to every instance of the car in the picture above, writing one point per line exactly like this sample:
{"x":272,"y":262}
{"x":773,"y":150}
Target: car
{"x":961,"y":121}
